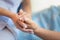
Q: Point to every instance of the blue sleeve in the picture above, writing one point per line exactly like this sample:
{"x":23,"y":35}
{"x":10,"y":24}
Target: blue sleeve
{"x":48,"y":18}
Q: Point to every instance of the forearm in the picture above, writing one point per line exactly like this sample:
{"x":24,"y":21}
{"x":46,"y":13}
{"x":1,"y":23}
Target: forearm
{"x":7,"y":13}
{"x":26,"y":6}
{"x":47,"y":34}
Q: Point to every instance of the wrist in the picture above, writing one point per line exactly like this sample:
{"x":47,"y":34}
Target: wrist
{"x":14,"y":17}
{"x":34,"y":26}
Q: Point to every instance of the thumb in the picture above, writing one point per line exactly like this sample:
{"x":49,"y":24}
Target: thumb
{"x":28,"y":21}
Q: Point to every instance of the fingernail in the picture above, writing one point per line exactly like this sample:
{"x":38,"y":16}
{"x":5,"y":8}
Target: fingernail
{"x":20,"y":18}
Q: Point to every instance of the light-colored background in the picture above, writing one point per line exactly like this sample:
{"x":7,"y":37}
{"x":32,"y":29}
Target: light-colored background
{"x":38,"y":5}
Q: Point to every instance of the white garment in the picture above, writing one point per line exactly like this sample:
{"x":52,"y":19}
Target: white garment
{"x":10,"y":32}
{"x":11,"y":5}
{"x":6,"y":34}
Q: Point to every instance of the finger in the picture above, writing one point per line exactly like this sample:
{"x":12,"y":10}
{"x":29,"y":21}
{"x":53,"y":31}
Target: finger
{"x":21,"y":19}
{"x":20,"y":12}
{"x":19,"y":26}
{"x":22,"y":24}
{"x":24,"y":29}
{"x":28,"y":30}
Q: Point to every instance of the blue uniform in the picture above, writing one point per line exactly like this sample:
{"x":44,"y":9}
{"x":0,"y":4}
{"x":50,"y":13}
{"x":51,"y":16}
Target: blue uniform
{"x":48,"y":18}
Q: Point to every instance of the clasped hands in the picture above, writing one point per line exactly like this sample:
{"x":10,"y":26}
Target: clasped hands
{"x":24,"y":22}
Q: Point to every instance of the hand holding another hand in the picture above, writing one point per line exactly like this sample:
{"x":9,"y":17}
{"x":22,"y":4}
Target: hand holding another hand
{"x":25,"y":22}
{"x":20,"y":24}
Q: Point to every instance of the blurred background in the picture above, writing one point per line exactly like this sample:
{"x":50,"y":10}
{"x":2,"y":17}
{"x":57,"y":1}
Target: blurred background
{"x":46,"y":13}
{"x":38,"y":5}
